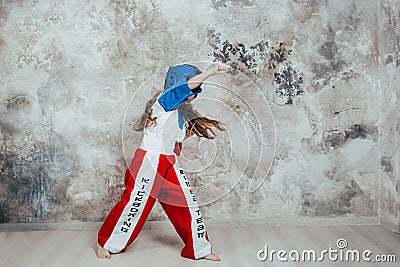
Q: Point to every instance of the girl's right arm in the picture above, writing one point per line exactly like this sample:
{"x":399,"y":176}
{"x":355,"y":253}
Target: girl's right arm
{"x":173,"y":97}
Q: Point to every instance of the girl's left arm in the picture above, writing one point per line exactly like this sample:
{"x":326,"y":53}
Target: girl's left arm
{"x":197,"y":80}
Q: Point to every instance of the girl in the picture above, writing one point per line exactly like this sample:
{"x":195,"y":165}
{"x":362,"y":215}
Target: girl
{"x":169,"y":118}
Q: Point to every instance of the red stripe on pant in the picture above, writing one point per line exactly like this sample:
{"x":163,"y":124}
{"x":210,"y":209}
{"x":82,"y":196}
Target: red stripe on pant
{"x":168,"y":188}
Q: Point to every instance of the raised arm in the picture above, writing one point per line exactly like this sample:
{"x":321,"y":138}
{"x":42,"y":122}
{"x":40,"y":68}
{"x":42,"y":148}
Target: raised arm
{"x":182,"y":90}
{"x":197,"y":80}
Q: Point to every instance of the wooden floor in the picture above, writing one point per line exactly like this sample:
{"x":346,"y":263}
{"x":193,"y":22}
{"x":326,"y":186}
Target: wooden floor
{"x":235,"y":246}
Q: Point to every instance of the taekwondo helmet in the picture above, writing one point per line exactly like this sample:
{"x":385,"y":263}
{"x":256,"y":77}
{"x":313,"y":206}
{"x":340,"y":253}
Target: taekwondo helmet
{"x":179,"y":73}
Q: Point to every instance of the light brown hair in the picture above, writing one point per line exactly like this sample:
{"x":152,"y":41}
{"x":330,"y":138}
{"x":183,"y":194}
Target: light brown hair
{"x":147,"y":119}
{"x":195,"y":123}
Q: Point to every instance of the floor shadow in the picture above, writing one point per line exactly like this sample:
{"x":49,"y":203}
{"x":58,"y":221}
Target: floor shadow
{"x":160,"y":238}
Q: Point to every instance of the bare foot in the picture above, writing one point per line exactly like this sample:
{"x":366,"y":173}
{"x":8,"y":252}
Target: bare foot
{"x":211,"y":257}
{"x":102,"y":253}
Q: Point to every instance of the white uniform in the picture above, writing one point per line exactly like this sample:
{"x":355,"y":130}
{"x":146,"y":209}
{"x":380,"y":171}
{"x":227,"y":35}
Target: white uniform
{"x":162,"y":137}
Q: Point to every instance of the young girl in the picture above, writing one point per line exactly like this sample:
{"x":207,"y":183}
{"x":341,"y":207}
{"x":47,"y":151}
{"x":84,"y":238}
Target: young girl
{"x":169,"y":118}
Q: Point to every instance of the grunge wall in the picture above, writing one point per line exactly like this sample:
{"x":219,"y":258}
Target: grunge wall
{"x":329,"y":70}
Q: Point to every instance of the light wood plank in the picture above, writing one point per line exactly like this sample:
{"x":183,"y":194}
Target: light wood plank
{"x":237,"y":246}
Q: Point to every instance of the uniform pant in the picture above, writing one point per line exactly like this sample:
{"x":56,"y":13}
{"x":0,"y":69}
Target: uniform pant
{"x":152,"y":176}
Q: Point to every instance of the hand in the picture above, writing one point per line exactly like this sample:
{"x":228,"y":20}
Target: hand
{"x":219,"y":69}
{"x":197,"y":80}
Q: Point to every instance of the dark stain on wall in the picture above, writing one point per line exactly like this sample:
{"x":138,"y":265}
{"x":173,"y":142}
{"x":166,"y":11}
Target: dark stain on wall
{"x":351,"y":74}
{"x":26,"y":184}
{"x":387,"y":165}
{"x":389,"y":203}
{"x":308,"y":3}
{"x":307,"y":202}
{"x":360,"y":131}
{"x":333,"y":138}
{"x":340,"y":205}
{"x":333,"y":175}
{"x":343,"y":200}
{"x":217,"y":4}
{"x":350,"y":19}
{"x":390,"y":34}
{"x":33,"y":182}
{"x":308,"y":8}
{"x":338,"y":138}
{"x":4,"y":213}
{"x":395,"y":58}
{"x":347,"y":21}
{"x":17,"y":101}
{"x":329,"y":51}
{"x":7,"y":129}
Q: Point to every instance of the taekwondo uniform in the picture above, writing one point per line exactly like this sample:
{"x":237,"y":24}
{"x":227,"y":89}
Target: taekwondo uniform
{"x":154,"y":174}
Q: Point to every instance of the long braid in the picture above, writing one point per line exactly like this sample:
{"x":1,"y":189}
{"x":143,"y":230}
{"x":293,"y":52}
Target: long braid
{"x":147,"y":119}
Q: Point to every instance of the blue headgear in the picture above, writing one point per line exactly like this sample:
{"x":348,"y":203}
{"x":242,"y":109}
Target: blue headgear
{"x":178,"y":74}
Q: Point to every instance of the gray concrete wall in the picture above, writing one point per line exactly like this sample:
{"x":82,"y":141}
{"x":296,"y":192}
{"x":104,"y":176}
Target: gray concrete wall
{"x":389,"y":59}
{"x":327,"y":69}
